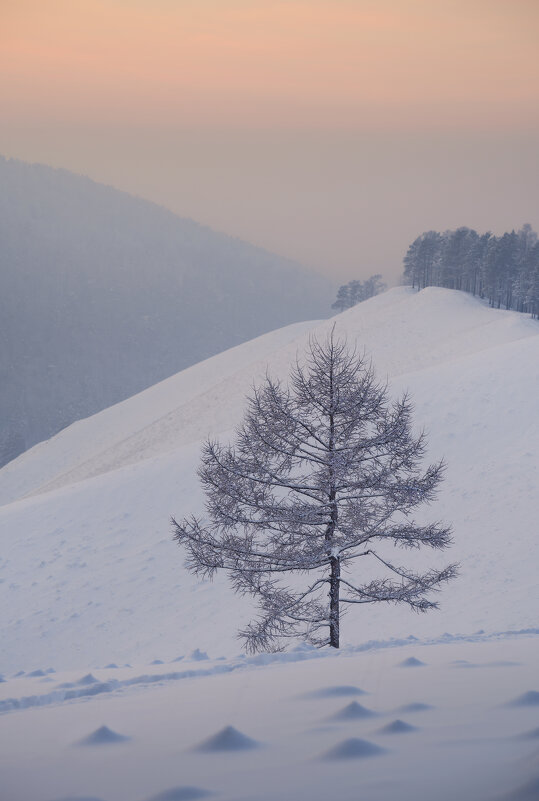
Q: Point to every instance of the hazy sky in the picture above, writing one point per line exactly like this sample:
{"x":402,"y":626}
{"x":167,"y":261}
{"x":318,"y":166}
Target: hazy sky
{"x":331,"y":131}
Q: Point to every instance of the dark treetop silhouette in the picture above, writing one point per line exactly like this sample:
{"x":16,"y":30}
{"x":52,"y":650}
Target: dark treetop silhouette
{"x":504,"y":270}
{"x":323,"y":473}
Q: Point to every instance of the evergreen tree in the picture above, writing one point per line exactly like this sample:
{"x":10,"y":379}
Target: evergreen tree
{"x":354,"y":292}
{"x":532,"y":294}
{"x":343,"y":299}
{"x":373,"y":286}
{"x":422,"y":260}
{"x":502,"y":269}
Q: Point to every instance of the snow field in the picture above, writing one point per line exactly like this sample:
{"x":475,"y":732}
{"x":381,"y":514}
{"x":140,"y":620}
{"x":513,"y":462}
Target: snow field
{"x":90,"y":574}
{"x":90,"y":580}
{"x":470,"y":739}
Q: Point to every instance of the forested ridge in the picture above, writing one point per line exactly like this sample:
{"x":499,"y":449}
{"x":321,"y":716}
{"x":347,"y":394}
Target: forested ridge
{"x":103,"y":294}
{"x":503,"y":269}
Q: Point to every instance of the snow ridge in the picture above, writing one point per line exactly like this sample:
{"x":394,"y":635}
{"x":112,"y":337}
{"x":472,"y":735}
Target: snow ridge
{"x":301,"y":653}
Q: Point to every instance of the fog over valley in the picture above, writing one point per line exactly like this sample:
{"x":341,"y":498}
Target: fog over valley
{"x":103,"y":294}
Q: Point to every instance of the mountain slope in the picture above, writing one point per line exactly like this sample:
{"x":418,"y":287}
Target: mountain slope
{"x":103,"y":294}
{"x":90,"y":574}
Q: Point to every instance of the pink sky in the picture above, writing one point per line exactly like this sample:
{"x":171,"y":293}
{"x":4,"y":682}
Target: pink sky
{"x":269,"y":119}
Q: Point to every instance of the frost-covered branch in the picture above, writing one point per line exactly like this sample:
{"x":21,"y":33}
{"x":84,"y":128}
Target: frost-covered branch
{"x":319,"y":472}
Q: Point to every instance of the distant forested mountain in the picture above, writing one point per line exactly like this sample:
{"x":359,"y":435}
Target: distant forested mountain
{"x":502,"y":269}
{"x":103,"y":294}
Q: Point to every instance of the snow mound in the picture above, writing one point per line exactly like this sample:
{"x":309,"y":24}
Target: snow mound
{"x":415,"y":706}
{"x":411,"y":662}
{"x":103,"y":736}
{"x":353,"y":711}
{"x":228,"y":739}
{"x":198,"y":656}
{"x":530,"y":698}
{"x":501,"y":663}
{"x":338,"y":691}
{"x":354,"y":748}
{"x":397,"y":727}
{"x":87,"y":679}
{"x":526,"y":792}
{"x":185,"y":793}
{"x":530,"y":735}
{"x":481,"y":740}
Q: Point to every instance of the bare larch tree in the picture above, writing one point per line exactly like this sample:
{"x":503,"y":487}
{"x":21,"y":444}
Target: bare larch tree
{"x":323,"y":472}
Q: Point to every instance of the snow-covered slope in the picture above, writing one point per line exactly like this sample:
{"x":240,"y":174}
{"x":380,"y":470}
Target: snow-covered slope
{"x":89,"y":572}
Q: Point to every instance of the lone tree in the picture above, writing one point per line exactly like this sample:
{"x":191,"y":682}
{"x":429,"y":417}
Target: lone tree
{"x":323,"y":473}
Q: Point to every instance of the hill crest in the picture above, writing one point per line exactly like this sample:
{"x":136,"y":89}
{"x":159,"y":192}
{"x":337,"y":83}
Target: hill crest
{"x":92,"y":575}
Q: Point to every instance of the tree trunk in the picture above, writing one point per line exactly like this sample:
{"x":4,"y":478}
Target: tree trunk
{"x":334,"y":602}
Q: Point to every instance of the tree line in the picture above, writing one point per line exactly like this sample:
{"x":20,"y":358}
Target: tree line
{"x":354,"y":292}
{"x":502,"y":269}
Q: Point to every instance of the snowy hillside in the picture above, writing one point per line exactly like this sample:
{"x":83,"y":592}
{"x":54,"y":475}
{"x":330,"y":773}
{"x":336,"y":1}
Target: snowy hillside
{"x":102,"y":294}
{"x":415,"y":723}
{"x":416,"y":708}
{"x":90,"y":574}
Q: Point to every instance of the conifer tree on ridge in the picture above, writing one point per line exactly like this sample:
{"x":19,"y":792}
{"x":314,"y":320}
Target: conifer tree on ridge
{"x":324,"y":474}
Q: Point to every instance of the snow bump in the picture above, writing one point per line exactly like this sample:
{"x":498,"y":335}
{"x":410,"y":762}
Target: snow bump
{"x":353,"y":711}
{"x":530,"y":698}
{"x":103,"y":736}
{"x":530,"y":735}
{"x":354,"y":748}
{"x":338,"y":691}
{"x":228,"y":739}
{"x":415,"y":706}
{"x":411,"y":662}
{"x":526,"y":792}
{"x":398,"y":727}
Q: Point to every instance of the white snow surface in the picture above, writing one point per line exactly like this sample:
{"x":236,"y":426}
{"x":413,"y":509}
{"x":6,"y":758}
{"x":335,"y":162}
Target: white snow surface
{"x":473,"y":710}
{"x":90,"y":575}
{"x":90,"y":580}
